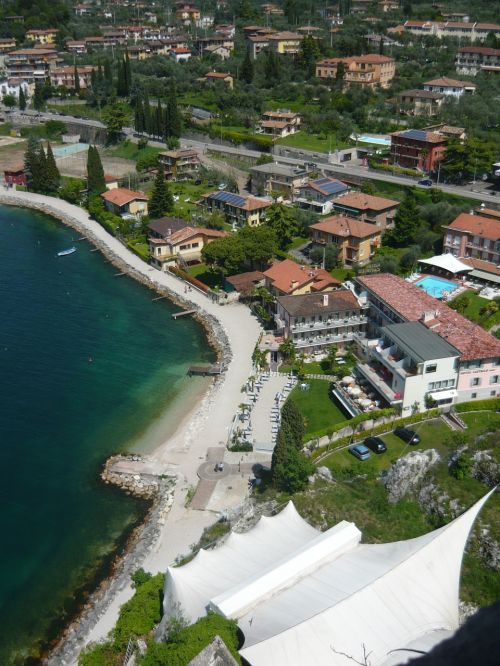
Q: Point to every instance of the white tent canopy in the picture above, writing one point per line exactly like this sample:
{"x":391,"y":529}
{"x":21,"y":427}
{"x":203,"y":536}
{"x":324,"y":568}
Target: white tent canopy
{"x":446,"y":262}
{"x":328,"y":599}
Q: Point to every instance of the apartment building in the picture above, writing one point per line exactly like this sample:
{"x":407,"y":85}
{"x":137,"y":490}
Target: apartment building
{"x":179,"y":164}
{"x":279,"y":123}
{"x":392,"y":300}
{"x":45,"y":37}
{"x":288,"y":277}
{"x":31,"y":64}
{"x":65,"y":76}
{"x":278,"y":179}
{"x":316,"y":321}
{"x":419,"y":102}
{"x":285,"y":42}
{"x":417,"y":149}
{"x":356,"y":240}
{"x":319,"y":195}
{"x":238,"y":210}
{"x":469,"y":31}
{"x":474,"y":235}
{"x":447,"y":86}
{"x":368,"y":70}
{"x":368,"y":208}
{"x":474,"y":59}
{"x":7,"y":44}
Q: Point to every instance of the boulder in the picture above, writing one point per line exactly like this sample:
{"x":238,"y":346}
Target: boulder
{"x":408,"y":473}
{"x":325,"y":473}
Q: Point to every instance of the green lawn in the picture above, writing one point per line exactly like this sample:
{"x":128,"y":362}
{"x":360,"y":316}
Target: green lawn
{"x":342,"y":274}
{"x":188,"y":194}
{"x":474,"y":307}
{"x":297,"y":242}
{"x":320,"y":143}
{"x":131,"y":151}
{"x":203,"y":273}
{"x":316,"y":406}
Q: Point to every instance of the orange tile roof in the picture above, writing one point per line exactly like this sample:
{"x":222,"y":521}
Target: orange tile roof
{"x":217,"y":75}
{"x":367,"y":201}
{"x":411,"y":303}
{"x":121,"y":196}
{"x":481,"y":265}
{"x":449,"y":83}
{"x":488,"y":212}
{"x":340,"y":225}
{"x":189,"y":232}
{"x":477,"y":225}
{"x":287,"y":276}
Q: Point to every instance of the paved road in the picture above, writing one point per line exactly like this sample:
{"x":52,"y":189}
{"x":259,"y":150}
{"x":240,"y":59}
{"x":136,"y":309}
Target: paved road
{"x":337,"y":170}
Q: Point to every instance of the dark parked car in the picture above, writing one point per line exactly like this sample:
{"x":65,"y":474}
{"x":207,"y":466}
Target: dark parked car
{"x":426,"y":182}
{"x":376,"y":444}
{"x":407,"y":435}
{"x":359,"y":451}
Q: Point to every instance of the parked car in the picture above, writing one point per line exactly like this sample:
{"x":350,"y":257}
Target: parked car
{"x":407,"y":435}
{"x":376,"y":444}
{"x":359,"y":451}
{"x":426,"y":182}
{"x":222,"y":186}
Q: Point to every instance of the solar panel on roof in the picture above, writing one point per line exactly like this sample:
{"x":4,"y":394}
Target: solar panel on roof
{"x":419,"y":135}
{"x":332,"y":188}
{"x":321,"y":181}
{"x":228,"y":197}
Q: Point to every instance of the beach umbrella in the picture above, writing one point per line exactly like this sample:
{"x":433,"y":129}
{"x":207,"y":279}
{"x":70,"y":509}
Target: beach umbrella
{"x":355,"y":390}
{"x":365,"y":402}
{"x":348,"y":380}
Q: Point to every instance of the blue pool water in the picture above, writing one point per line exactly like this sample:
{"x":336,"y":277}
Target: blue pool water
{"x":71,"y":149}
{"x":378,"y":140}
{"x":435,"y":286}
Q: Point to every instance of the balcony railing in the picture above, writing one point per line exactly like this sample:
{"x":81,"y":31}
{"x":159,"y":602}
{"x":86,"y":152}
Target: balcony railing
{"x":330,"y":323}
{"x":395,"y":363}
{"x":327,"y":339}
{"x":379,"y":383}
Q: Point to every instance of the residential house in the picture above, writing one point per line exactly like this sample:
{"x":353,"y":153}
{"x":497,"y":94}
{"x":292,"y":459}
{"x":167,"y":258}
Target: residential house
{"x":202,"y":44}
{"x":285,"y":42}
{"x":419,"y":102}
{"x":94,"y":42}
{"x":187,"y":13}
{"x":245,"y":283}
{"x":112,"y":182}
{"x":13,"y":87}
{"x":417,"y":149}
{"x":30,"y":64}
{"x":218,"y":50}
{"x":319,"y":195}
{"x":278,"y":179}
{"x":367,"y":71}
{"x":356,"y":240}
{"x":222,"y":77}
{"x":279,"y":123}
{"x":447,"y":86}
{"x":65,"y":76}
{"x":448,"y":131}
{"x":183,"y":246}
{"x":392,"y":300}
{"x":367,"y":208}
{"x":181,"y":163}
{"x":7,"y":44}
{"x":363,"y":6}
{"x":14,"y":175}
{"x":374,"y":40}
{"x":180,"y":54}
{"x":76,"y":47}
{"x":474,"y":59}
{"x":474,"y":235}
{"x":456,"y":16}
{"x":409,"y":364}
{"x":316,"y":321}
{"x":460,"y":30}
{"x":237,"y":209}
{"x":139,"y":53}
{"x":45,"y":37}
{"x":124,"y":202}
{"x":271,"y":9}
{"x":83,"y":10}
{"x":288,"y":277}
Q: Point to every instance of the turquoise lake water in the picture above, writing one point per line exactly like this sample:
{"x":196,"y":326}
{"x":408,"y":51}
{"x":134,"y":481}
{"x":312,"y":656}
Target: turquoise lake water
{"x":87,"y":361}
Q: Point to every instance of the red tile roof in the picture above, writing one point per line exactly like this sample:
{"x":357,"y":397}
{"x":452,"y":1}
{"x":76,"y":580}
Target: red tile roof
{"x":339,"y":225}
{"x":367,"y":201}
{"x":412,"y":303}
{"x":121,"y":196}
{"x":287,"y":276}
{"x":188,"y":232}
{"x":449,"y":83}
{"x":476,"y":224}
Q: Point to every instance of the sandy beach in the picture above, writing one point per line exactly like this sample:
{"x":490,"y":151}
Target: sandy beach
{"x":236,"y":332}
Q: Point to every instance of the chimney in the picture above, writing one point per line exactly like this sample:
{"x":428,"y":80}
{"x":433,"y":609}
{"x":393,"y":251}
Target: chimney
{"x":325,"y":300}
{"x":169,"y":233}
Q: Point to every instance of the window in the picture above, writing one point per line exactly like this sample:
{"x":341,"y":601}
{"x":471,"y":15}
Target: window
{"x":431,"y":368}
{"x":494,"y":379}
{"x":493,"y":393}
{"x":476,"y":381}
{"x":473,"y":395}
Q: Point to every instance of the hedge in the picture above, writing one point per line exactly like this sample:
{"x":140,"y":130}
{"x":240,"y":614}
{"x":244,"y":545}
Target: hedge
{"x":489,"y":405}
{"x":241,"y":137}
{"x":189,"y":278}
{"x":392,"y":169}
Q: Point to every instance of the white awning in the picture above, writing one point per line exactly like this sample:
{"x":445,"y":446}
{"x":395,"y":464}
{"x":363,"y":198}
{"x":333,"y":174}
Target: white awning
{"x":446,"y":262}
{"x":484,"y":275}
{"x":443,"y":395}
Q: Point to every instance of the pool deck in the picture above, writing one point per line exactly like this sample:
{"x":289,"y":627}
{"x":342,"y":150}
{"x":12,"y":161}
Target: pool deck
{"x":459,"y":286}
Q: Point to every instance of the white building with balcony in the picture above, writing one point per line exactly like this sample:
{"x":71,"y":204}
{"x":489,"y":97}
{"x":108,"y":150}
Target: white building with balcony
{"x":408,"y":363}
{"x":316,"y":321}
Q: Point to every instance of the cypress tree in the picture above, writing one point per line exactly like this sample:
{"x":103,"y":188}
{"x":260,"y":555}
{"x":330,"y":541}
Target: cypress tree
{"x":38,"y":96}
{"x":108,"y":74}
{"x":31,"y":162}
{"x":22,"y":99}
{"x":100,"y":76}
{"x":139,"y":116}
{"x":292,"y":420}
{"x":53,"y":177}
{"x":121,"y":84}
{"x":246,"y":71}
{"x":77,"y":81}
{"x":47,"y":89}
{"x":161,"y":201}
{"x":127,"y":74}
{"x":381,"y":46}
{"x":40,"y":181}
{"x":147,"y":114}
{"x":278,"y":460}
{"x":174,"y":117}
{"x":96,"y":183}
{"x":160,"y":119}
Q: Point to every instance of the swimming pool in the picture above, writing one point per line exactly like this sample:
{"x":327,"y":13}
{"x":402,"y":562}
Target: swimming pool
{"x":70,"y":149}
{"x":435,"y":286}
{"x":377,"y":140}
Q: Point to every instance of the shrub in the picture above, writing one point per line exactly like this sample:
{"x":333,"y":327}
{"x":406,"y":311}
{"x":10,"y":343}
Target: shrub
{"x":241,"y":446}
{"x":490,"y":405}
{"x":462,"y":468}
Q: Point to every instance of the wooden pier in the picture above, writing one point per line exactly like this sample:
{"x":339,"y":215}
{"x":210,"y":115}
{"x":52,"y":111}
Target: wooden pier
{"x":205,"y":370}
{"x":183,"y":313}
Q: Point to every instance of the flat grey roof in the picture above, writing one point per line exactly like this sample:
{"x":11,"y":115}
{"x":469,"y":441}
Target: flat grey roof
{"x":281,"y":169}
{"x":420,"y":342}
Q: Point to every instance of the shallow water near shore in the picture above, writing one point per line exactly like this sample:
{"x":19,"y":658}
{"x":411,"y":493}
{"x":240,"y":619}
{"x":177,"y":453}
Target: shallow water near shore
{"x":89,"y":365}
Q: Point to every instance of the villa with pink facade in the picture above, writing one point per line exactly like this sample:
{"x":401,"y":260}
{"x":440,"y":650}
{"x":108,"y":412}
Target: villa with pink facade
{"x":407,"y":372}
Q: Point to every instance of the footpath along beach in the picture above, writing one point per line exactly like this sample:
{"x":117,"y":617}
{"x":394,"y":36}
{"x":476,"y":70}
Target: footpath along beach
{"x":234,"y":332}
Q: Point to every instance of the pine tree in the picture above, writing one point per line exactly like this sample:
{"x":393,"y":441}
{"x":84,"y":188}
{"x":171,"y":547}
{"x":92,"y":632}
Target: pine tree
{"x":76,"y":79}
{"x":96,"y":183}
{"x":47,"y":89}
{"x":292,"y":419}
{"x":381,"y":46}
{"x":31,"y":162}
{"x":53,"y":177}
{"x":406,"y":222}
{"x":38,"y":96}
{"x":121,"y":83}
{"x":22,"y":99}
{"x":174,"y":126}
{"x":278,"y":460}
{"x":127,"y":74}
{"x":40,"y":181}
{"x":246,"y":71}
{"x":161,"y":201}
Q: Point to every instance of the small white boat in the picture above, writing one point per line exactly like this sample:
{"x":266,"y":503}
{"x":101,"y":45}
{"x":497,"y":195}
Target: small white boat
{"x":63,"y":253}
